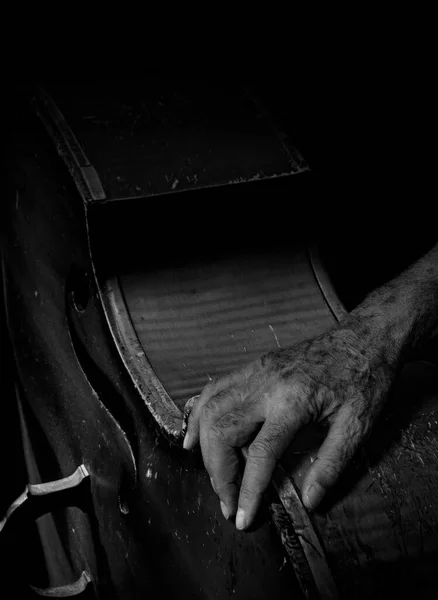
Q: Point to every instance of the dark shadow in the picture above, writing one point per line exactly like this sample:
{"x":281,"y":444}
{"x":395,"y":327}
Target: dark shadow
{"x":413,"y":577}
{"x":201,"y":226}
{"x":106,"y":392}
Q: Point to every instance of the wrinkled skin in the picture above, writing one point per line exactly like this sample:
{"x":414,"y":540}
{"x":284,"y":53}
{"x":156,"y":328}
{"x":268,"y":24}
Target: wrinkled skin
{"x":341,"y":377}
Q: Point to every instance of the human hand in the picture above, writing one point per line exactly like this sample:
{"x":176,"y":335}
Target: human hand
{"x":340,"y":377}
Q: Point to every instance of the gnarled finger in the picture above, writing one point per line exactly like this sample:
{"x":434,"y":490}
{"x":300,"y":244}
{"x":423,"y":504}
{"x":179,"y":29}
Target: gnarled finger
{"x":213,"y":387}
{"x":345,"y":435}
{"x":220,"y":445}
{"x":264,"y":452}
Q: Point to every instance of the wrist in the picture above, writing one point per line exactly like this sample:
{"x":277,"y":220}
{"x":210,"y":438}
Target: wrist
{"x":380,"y":336}
{"x":402,"y":315}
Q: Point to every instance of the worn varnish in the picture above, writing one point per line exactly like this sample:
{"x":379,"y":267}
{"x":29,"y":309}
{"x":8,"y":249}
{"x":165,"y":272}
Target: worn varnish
{"x":200,"y":321}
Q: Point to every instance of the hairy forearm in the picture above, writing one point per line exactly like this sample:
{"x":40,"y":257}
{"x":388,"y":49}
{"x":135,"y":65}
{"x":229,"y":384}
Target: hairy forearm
{"x":402,"y":315}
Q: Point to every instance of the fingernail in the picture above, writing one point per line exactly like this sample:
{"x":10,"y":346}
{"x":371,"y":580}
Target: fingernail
{"x":212,"y":484}
{"x":240,"y":519}
{"x":224,"y":510}
{"x":313,"y":496}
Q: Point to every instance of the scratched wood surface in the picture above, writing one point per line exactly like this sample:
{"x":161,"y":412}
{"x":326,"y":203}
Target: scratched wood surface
{"x":166,"y":135}
{"x":379,"y":526}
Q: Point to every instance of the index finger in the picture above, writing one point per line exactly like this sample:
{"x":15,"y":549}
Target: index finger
{"x":220,"y":445}
{"x":211,"y":389}
{"x":261,"y":459}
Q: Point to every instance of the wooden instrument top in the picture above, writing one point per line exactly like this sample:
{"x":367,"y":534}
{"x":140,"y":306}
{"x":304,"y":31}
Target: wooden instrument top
{"x":162,"y":136}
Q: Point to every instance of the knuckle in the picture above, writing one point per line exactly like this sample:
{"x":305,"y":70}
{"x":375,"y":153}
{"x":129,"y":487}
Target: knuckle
{"x":230,"y":420}
{"x":302,"y":390}
{"x":357,"y":426}
{"x":222,"y":428}
{"x":217,"y":433}
{"x":211,"y":386}
{"x":262,"y":450}
{"x":212,"y":407}
{"x":332,"y":469}
{"x":353,"y":430}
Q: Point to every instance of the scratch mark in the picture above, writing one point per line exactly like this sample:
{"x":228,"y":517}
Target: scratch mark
{"x":410,"y":449}
{"x":275,"y":335}
{"x":143,"y":109}
{"x":370,"y":486}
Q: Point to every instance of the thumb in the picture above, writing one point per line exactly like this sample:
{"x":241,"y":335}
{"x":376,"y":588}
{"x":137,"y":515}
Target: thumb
{"x":344,"y":437}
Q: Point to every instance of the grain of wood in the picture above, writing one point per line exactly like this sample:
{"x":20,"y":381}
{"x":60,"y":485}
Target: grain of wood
{"x":199,"y":322}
